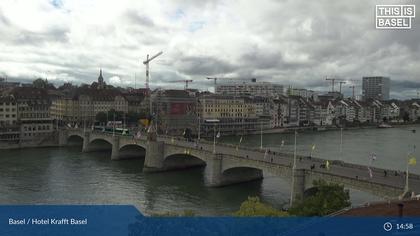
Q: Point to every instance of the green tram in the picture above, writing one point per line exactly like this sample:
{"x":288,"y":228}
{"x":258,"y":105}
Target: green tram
{"x":110,"y":130}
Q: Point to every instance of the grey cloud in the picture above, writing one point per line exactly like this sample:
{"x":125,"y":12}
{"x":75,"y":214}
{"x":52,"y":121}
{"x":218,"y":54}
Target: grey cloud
{"x":34,"y":38}
{"x":135,"y":17}
{"x":335,"y":38}
{"x":205,"y":65}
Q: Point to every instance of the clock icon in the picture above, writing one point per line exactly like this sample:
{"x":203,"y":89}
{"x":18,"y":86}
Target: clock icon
{"x":387,"y":226}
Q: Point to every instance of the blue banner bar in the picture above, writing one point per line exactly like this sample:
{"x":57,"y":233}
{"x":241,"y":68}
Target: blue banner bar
{"x":127,"y":220}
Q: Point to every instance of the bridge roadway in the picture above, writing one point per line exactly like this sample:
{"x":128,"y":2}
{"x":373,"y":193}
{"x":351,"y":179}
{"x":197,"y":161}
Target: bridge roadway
{"x":231,"y":164}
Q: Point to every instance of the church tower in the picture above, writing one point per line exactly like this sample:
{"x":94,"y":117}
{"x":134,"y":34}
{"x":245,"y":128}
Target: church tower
{"x":101,"y":83}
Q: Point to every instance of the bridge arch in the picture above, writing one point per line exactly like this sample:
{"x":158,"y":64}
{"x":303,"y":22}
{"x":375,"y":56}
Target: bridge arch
{"x":132,"y":151}
{"x":241,"y":174}
{"x":182,"y":161}
{"x":75,"y":140}
{"x":98,"y":144}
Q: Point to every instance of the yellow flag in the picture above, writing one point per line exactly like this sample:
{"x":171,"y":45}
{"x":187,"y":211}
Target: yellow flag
{"x":412,"y":161}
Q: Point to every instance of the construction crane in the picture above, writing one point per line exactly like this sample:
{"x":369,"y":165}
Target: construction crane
{"x":186,"y":81}
{"x":333,"y":83}
{"x":352,"y":87}
{"x":215,"y":82}
{"x":341,"y":83}
{"x":146,"y":62}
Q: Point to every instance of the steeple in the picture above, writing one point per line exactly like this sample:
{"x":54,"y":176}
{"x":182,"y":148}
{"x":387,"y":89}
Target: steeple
{"x":100,"y":78}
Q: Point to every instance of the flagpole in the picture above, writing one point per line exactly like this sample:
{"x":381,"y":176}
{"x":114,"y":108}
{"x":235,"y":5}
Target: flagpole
{"x":214,"y":138}
{"x":295,"y":152}
{"x":199,"y":127}
{"x":406,"y":179}
{"x":261,"y":137}
{"x":341,"y":144}
{"x":113,"y":126}
{"x":293,"y":170}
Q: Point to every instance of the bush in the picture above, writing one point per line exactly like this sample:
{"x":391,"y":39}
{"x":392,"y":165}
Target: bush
{"x":253,"y":207}
{"x":328,"y":198}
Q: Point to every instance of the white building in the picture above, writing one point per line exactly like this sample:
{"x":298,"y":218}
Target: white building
{"x":249,"y":87}
{"x":8,"y":111}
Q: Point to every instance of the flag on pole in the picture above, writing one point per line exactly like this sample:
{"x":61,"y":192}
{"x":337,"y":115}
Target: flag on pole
{"x":373,"y":155}
{"x":370,"y":172}
{"x":327,"y":165}
{"x":218,"y":135}
{"x":412,"y":161}
{"x":313,"y":147}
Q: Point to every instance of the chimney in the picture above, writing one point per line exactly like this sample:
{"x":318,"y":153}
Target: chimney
{"x":400,"y":209}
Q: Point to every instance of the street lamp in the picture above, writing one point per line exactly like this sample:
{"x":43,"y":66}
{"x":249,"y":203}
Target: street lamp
{"x":293,"y":168}
{"x":261,"y":136}
{"x":407,"y":163}
{"x":214,"y":122}
{"x":341,"y":143}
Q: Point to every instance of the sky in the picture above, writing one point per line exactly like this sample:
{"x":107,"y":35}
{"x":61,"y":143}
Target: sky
{"x":296,"y":43}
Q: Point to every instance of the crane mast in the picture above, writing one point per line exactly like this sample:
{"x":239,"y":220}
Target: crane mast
{"x":146,"y":63}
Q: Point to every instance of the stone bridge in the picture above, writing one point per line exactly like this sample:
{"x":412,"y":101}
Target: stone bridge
{"x":231,"y":164}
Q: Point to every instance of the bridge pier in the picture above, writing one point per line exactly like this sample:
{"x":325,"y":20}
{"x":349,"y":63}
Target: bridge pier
{"x":213,"y":176}
{"x":298,"y":185}
{"x":115,"y":154}
{"x":154,"y":158}
{"x":62,"y":138}
{"x":85,"y":147}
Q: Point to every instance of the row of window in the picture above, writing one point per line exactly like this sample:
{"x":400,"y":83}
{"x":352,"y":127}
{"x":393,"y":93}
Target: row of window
{"x":8,"y":104}
{"x":7,"y":116}
{"x":35,"y":128}
{"x":7,"y":109}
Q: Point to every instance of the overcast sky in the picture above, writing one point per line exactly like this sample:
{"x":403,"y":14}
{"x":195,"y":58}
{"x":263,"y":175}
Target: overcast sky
{"x":294,"y":42}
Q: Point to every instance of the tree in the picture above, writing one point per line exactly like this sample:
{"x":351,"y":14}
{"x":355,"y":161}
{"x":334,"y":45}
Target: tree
{"x":119,"y":115}
{"x":329,"y":198}
{"x":253,"y":207}
{"x":406,"y":116}
{"x":133,"y":117}
{"x":101,"y":117}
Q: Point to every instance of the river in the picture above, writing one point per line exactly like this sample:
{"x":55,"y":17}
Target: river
{"x":68,"y":176}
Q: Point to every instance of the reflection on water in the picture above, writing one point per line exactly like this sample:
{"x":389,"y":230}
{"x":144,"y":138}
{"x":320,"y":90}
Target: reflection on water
{"x":68,"y":176}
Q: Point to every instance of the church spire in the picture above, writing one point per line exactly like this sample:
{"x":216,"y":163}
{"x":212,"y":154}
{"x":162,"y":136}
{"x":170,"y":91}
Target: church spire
{"x":101,"y":82}
{"x":100,"y":78}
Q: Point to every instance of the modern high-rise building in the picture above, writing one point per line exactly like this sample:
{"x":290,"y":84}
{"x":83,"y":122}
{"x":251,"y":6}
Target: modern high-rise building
{"x":376,"y":87}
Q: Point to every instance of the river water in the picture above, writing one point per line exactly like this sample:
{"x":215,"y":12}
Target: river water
{"x":68,"y":176}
